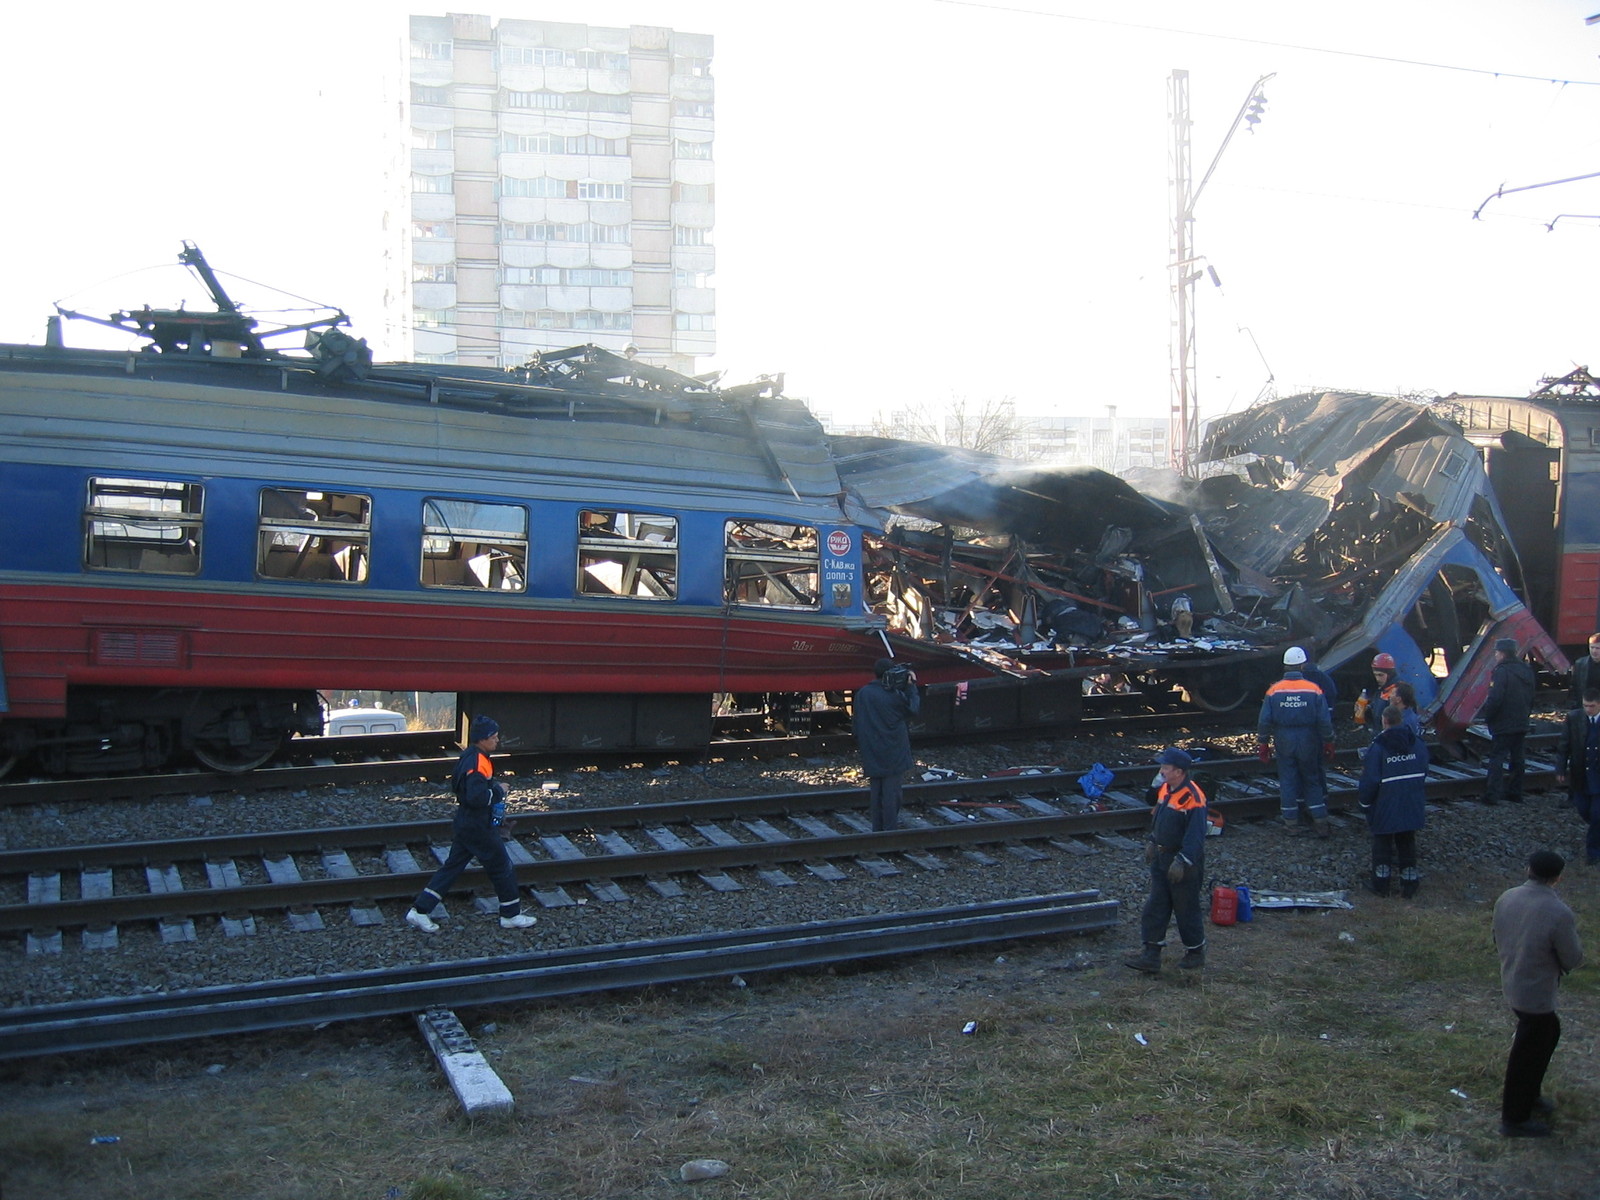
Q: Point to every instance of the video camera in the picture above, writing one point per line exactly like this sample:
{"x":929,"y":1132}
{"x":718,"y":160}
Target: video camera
{"x":897,"y":678}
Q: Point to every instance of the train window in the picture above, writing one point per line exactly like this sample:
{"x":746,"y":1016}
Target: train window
{"x":314,"y":535}
{"x":466,"y":544}
{"x":627,"y":554}
{"x":772,"y":563}
{"x":149,"y":525}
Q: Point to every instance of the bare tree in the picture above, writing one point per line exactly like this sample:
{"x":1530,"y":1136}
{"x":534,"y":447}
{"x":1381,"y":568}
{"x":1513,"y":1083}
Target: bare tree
{"x":990,"y":425}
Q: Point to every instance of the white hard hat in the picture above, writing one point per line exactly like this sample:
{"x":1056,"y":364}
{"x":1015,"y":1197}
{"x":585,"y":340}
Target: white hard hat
{"x":1294,"y":656}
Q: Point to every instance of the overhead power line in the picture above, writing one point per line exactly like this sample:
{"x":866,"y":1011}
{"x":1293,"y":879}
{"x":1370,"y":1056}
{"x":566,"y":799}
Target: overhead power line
{"x":1249,"y":41}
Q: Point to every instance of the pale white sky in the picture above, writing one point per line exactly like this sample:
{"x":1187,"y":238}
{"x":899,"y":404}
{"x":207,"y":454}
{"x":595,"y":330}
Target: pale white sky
{"x":915,"y":198}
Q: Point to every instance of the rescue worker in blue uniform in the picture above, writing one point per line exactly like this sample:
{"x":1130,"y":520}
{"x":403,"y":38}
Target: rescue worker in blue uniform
{"x":1578,"y":767}
{"x":1394,"y":774}
{"x":1295,"y":723}
{"x":1176,"y":852}
{"x":480,"y":806}
{"x":878,"y":715}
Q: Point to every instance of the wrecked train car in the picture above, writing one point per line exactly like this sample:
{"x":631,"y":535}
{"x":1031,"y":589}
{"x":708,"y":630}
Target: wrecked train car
{"x":1379,"y":516}
{"x":1053,"y":575}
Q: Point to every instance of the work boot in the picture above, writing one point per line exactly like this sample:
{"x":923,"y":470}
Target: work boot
{"x":1292,"y":826}
{"x":1149,"y":961}
{"x":1524,"y":1129}
{"x":1321,"y":826}
{"x":1410,"y":881}
{"x":1192,"y":959}
{"x":1380,"y":881}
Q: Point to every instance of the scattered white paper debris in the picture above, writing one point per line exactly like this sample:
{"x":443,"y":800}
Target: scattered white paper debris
{"x":1346,"y":936}
{"x":1459,"y":1092}
{"x":1139,"y":1037}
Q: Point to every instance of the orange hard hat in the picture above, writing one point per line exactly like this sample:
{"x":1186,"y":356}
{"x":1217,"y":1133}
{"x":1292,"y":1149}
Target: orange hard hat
{"x":1383,"y":662}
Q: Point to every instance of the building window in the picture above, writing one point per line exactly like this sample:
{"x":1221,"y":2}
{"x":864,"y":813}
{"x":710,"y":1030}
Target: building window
{"x":691,"y":279}
{"x":551,"y":143}
{"x":467,"y":544}
{"x":433,"y":318}
{"x":146,"y":525}
{"x":682,"y":148}
{"x":567,"y":276}
{"x":312,"y":535}
{"x":589,"y":189}
{"x":566,"y":101}
{"x":692,"y":108}
{"x":541,"y":186}
{"x":583,"y":318}
{"x":693,"y":193}
{"x":695,"y":322}
{"x":435,"y":50}
{"x":771,"y":563}
{"x":432,"y":139}
{"x":433,"y":272}
{"x":588,"y":231}
{"x":436,"y":184}
{"x":433,"y":230}
{"x":422,"y":94}
{"x":627,"y":554}
{"x":684,"y":64}
{"x":687,"y":235}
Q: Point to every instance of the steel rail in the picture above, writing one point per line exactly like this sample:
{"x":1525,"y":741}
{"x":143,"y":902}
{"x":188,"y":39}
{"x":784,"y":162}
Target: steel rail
{"x":207,"y":1012}
{"x":1001,"y":827}
{"x":410,"y":767}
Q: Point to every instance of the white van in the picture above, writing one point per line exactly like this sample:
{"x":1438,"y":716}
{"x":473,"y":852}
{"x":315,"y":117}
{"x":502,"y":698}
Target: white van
{"x":347,"y":721}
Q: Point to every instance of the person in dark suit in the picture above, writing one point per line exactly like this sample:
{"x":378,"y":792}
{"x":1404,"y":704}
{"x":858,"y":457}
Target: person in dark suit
{"x":1578,"y":766}
{"x":1585,"y":673}
{"x":1506,"y":711}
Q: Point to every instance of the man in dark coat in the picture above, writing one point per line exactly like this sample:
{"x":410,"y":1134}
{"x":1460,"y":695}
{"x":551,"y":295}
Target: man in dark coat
{"x":1585,"y":673}
{"x":480,"y":803}
{"x":1393,"y":777}
{"x":1578,"y":766}
{"x":1506,"y":711}
{"x":878,"y":716}
{"x":1176,"y":852}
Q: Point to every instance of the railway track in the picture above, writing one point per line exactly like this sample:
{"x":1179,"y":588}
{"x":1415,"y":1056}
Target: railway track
{"x":126,"y":1021}
{"x":398,"y":758}
{"x":669,"y":848}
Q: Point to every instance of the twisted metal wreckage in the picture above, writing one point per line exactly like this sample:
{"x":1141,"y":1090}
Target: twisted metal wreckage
{"x":1340,"y":522}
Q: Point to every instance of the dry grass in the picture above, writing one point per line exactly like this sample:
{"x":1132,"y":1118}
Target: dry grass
{"x":1303,"y":1064}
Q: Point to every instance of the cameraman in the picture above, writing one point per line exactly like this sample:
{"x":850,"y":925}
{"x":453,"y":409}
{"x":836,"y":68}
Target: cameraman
{"x":879,"y":716}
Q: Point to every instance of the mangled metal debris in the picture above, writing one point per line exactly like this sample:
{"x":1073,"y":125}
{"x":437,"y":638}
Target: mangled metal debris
{"x":1344,"y":522}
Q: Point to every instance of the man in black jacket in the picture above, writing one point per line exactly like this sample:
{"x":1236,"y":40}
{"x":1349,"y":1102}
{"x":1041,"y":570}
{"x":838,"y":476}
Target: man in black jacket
{"x":1578,"y":766}
{"x":1585,"y":673}
{"x":878,"y":715}
{"x":1506,"y":711}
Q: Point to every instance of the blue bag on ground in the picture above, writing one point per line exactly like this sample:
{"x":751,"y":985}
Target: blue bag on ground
{"x":1096,"y":781}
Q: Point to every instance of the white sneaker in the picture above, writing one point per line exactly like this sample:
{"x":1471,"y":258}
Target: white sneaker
{"x":520,"y":921}
{"x":422,"y":921}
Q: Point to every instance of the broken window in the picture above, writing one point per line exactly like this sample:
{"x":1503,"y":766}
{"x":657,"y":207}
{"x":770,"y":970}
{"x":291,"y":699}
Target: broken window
{"x":627,"y":554}
{"x":466,"y":544}
{"x":147,"y":525}
{"x":771,"y":563}
{"x":314,"y":535}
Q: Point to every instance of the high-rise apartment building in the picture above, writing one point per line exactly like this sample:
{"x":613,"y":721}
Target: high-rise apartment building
{"x":560,"y":191}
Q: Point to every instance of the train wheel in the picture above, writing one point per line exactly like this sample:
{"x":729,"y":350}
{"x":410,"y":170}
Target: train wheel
{"x":1219,"y":691}
{"x":236,"y":760}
